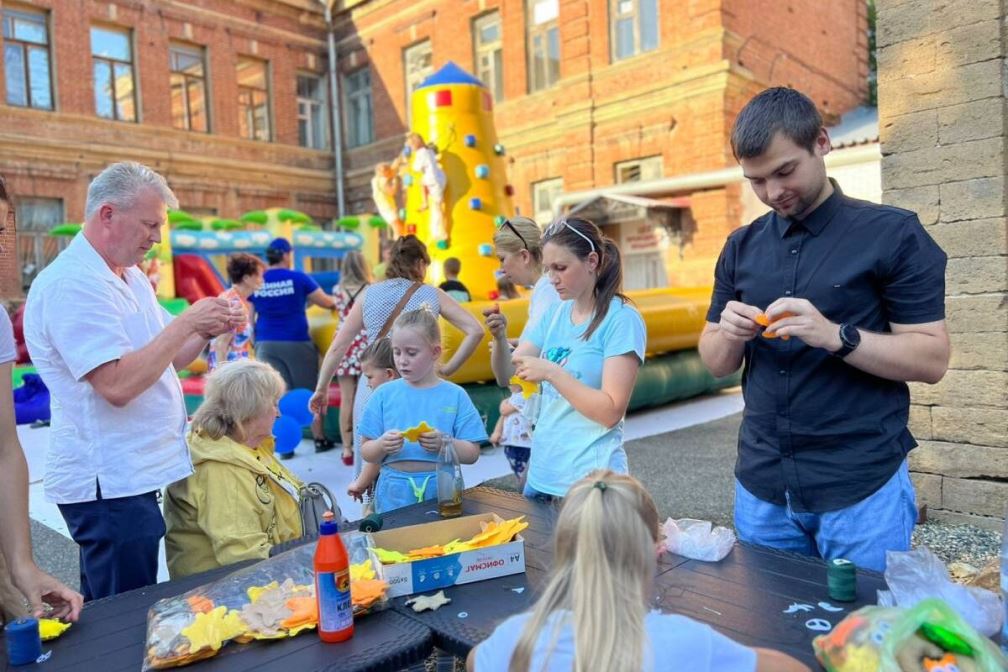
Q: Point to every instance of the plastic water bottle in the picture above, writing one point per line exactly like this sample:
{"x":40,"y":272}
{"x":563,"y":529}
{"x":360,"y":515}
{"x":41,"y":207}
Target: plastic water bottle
{"x":1004,"y":586}
{"x":449,"y":480}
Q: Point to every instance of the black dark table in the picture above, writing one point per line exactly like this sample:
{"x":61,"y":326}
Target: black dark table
{"x":747,"y":594}
{"x":112,"y":632}
{"x":743,"y":596}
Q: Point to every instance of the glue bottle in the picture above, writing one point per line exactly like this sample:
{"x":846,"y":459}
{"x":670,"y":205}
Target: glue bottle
{"x":332,"y":584}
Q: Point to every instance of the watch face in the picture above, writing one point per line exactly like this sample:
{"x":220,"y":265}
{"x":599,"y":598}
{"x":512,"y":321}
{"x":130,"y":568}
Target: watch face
{"x":850,"y":336}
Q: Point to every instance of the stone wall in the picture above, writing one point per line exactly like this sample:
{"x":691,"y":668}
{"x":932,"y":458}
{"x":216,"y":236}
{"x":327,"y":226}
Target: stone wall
{"x":942,"y":111}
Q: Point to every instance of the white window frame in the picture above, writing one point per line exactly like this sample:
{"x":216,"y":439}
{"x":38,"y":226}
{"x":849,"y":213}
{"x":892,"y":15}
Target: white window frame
{"x":358,"y":101}
{"x":418,"y":65}
{"x":111,"y":63}
{"x":35,"y":248}
{"x":312,"y":112}
{"x":188,"y":79}
{"x":631,"y":11}
{"x":544,"y":192}
{"x":542,"y":31}
{"x":639,"y":170}
{"x":9,"y":18}
{"x":488,"y":57}
{"x":249,"y":111}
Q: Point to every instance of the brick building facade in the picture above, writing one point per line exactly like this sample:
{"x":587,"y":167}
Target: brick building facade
{"x":161,"y":82}
{"x":641,"y":89}
{"x":590,"y":93}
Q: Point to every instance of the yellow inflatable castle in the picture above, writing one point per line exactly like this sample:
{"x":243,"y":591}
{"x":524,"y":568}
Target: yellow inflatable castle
{"x":453,"y":111}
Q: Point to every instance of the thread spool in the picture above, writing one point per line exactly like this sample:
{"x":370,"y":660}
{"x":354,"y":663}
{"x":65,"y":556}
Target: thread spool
{"x":841,"y":580}
{"x":24,"y":644}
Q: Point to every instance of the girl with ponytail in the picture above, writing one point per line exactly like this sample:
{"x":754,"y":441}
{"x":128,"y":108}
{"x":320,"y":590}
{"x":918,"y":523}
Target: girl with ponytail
{"x":585,"y":352}
{"x":593,"y":612}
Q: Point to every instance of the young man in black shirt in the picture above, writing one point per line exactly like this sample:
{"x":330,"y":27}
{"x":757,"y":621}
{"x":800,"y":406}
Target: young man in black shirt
{"x":854,"y":293}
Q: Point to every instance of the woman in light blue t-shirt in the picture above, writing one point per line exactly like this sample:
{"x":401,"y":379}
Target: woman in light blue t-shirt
{"x":593,"y":613}
{"x":585,"y":352}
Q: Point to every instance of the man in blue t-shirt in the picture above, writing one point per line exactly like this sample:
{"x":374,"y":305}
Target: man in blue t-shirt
{"x":281,"y":324}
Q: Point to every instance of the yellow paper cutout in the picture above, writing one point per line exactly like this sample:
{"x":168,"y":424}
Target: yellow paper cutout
{"x":212,"y":629}
{"x":528,"y":388}
{"x":50,"y":628}
{"x":413,"y":433}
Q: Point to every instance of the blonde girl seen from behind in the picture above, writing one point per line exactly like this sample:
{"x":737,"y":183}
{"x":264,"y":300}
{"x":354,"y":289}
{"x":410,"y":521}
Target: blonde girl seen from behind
{"x":593,"y":613}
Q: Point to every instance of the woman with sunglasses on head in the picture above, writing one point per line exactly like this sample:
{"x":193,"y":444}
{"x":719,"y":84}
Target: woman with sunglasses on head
{"x":585,"y":353}
{"x":518,"y":242}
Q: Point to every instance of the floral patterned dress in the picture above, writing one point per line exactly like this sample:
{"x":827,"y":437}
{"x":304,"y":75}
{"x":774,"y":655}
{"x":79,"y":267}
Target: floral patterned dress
{"x":350,"y":366}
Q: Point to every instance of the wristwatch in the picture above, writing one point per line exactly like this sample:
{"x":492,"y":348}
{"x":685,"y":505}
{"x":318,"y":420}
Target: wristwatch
{"x":850,"y":338}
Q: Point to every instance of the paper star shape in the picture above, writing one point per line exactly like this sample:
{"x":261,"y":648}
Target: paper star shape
{"x":413,"y":433}
{"x":425,"y":602}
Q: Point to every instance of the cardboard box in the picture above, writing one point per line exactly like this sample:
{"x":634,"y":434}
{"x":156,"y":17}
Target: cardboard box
{"x":421,"y":576}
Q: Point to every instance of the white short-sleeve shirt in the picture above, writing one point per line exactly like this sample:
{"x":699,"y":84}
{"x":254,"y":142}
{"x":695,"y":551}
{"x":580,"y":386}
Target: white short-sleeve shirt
{"x":78,"y":316}
{"x":8,"y":353}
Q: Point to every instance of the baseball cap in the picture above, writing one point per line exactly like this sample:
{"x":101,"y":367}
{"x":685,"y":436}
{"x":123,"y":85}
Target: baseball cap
{"x":280,"y":245}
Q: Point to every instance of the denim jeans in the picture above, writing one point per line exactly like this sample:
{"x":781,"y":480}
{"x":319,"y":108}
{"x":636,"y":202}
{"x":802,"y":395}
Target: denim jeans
{"x":861,"y":533}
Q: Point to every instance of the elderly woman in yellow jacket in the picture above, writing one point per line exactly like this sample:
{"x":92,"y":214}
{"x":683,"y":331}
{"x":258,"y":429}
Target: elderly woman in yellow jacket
{"x":240,"y":501}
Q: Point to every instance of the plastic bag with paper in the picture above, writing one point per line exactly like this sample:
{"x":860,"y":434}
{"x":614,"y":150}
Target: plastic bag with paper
{"x":271,"y":599}
{"x":916,"y":575}
{"x":928,"y":637}
{"x":697,"y":539}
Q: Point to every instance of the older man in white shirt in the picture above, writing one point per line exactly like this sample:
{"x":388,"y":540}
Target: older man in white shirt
{"x":109,"y":353}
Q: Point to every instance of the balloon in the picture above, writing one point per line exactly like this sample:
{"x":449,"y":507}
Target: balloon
{"x":294,"y":405}
{"x":287,"y":433}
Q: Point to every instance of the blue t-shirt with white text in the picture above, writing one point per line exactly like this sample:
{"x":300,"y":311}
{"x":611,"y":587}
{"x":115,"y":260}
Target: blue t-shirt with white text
{"x":280,"y":305}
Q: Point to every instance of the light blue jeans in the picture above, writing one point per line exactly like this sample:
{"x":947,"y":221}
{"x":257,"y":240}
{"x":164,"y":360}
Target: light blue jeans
{"x":861,"y":533}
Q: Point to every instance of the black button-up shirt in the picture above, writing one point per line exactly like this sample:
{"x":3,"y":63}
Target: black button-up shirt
{"x":815,"y":427}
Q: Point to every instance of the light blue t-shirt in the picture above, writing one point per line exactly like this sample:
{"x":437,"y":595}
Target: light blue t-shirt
{"x":681,"y":643}
{"x":398,"y":405}
{"x":567,"y":446}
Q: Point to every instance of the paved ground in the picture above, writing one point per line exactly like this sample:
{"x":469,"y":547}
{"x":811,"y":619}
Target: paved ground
{"x":687,"y":471}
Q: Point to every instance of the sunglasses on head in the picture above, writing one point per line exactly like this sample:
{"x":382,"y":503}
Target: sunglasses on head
{"x":559,"y":225}
{"x":507,"y":224}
